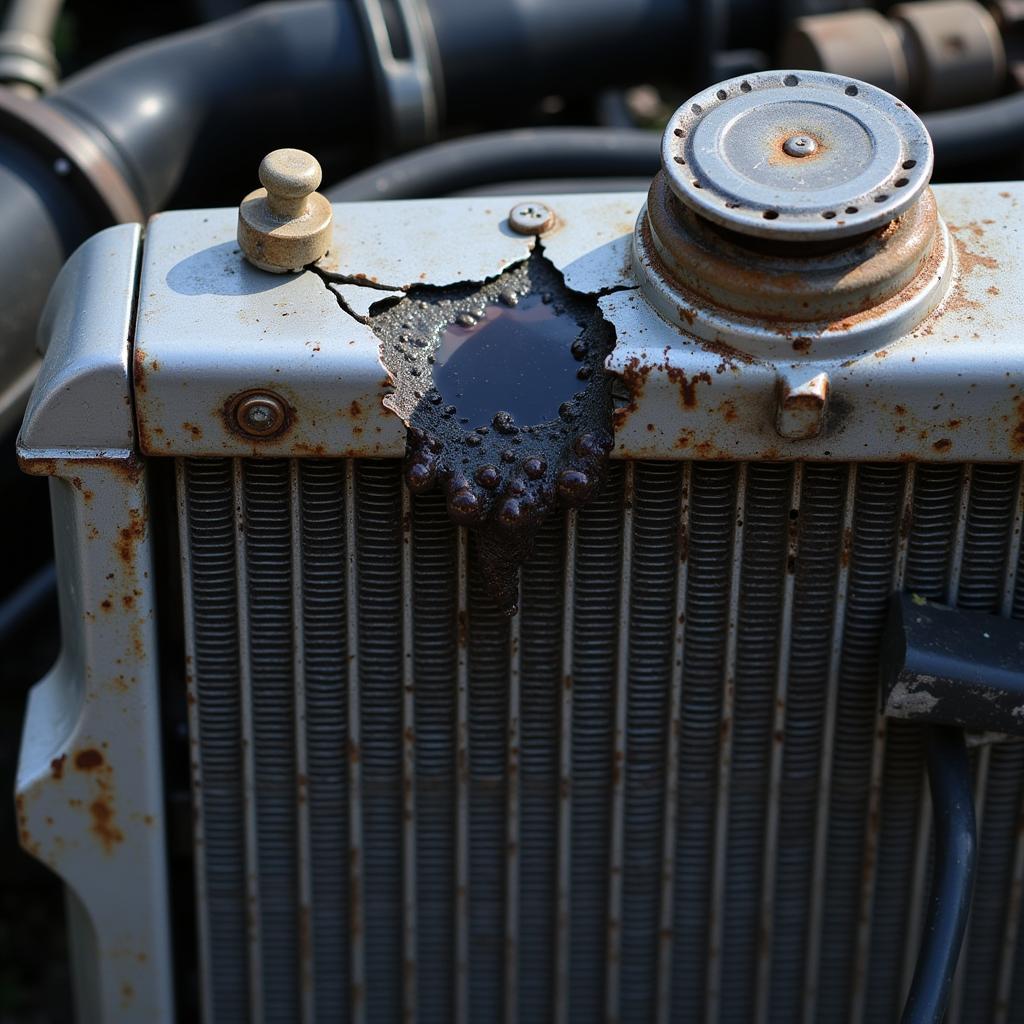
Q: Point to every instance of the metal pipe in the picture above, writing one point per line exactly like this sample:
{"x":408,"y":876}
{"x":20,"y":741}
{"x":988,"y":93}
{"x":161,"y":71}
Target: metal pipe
{"x":27,"y":61}
{"x":949,"y":778}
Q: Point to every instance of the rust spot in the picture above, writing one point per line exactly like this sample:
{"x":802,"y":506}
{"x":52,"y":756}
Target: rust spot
{"x":1017,"y":435}
{"x":128,"y":600}
{"x":139,"y":370}
{"x":57,"y":766}
{"x":355,"y":409}
{"x":193,"y":429}
{"x":728,"y":410}
{"x":103,"y":824}
{"x":943,"y":444}
{"x":106,"y":604}
{"x":992,"y":290}
{"x":801,"y":344}
{"x":970,"y":260}
{"x":128,"y":536}
{"x":847,"y":547}
{"x":127,"y":994}
{"x":88,"y":759}
{"x":687,"y":387}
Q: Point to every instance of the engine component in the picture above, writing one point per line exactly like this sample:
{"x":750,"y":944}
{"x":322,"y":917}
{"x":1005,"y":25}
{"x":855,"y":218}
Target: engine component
{"x":934,"y":54}
{"x":286,"y":225}
{"x":27,"y":61}
{"x":665,"y":786}
{"x":791,"y":202}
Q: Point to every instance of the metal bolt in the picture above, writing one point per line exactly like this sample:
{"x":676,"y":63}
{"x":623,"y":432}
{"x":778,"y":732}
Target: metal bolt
{"x":260,"y":414}
{"x":799,"y":145}
{"x":531,"y":218}
{"x":287,"y":224}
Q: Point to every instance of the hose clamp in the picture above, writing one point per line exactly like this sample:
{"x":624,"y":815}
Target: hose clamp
{"x":407,"y":71}
{"x":73,"y":155}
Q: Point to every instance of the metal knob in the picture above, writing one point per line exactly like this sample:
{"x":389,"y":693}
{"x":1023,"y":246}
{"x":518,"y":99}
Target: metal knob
{"x":287,"y":224}
{"x":796,"y":155}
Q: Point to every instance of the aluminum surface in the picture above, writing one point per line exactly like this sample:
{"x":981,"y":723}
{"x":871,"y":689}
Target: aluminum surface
{"x":794,"y":155}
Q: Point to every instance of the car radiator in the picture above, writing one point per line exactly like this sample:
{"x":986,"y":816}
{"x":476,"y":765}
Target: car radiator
{"x":662,"y":790}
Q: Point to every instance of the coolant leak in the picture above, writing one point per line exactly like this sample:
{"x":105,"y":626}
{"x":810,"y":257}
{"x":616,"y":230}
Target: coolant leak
{"x":503,"y":389}
{"x":516,"y":356}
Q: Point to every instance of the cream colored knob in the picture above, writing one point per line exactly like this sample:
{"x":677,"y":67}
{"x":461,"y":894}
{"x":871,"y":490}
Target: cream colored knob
{"x":286,"y":225}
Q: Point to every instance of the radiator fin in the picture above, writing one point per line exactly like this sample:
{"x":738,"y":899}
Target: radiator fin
{"x":570,"y":848}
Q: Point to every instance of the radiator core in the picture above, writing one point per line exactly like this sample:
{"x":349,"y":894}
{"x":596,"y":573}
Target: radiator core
{"x":662,"y":792}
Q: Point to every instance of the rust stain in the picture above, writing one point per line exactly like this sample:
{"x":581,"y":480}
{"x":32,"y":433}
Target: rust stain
{"x":57,"y":767}
{"x":193,"y":429}
{"x":129,"y":536}
{"x":1017,"y":435}
{"x":88,"y":759}
{"x":139,"y":370}
{"x":943,"y":444}
{"x":687,"y":386}
{"x":103,"y":824}
{"x":355,"y":409}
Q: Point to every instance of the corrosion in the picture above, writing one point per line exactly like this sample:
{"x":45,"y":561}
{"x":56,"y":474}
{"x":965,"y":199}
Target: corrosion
{"x":130,"y":535}
{"x":88,"y":759}
{"x":57,"y":767}
{"x":507,"y":448}
{"x":103,"y":824}
{"x":769,"y":281}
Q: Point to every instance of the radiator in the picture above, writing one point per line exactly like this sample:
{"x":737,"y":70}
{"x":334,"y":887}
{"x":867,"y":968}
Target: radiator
{"x":664,"y":791}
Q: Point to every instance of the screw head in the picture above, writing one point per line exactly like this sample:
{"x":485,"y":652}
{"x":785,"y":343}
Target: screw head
{"x":260,"y":414}
{"x":799,"y":145}
{"x":531,"y":218}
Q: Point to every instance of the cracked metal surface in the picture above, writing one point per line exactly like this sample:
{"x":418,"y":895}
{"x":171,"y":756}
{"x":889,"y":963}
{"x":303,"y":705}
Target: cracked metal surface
{"x":546,"y":439}
{"x":209,"y":327}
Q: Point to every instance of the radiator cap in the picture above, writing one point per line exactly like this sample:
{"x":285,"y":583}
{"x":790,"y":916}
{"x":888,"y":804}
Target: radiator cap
{"x":797,"y":155}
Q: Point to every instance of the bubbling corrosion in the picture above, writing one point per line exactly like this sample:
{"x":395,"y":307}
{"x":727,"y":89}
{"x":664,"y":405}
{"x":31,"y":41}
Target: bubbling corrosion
{"x":503,"y":389}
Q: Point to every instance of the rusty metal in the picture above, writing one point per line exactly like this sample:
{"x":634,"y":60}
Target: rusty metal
{"x":287,"y":224}
{"x":89,"y":788}
{"x":788,"y":282}
{"x":802,"y":407}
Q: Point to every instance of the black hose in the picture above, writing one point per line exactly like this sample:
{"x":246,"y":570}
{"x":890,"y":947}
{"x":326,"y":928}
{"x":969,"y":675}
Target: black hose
{"x":983,"y":132}
{"x":20,"y":607}
{"x":949,"y":903}
{"x":469,"y":163}
{"x":988,"y":129}
{"x":210,"y":102}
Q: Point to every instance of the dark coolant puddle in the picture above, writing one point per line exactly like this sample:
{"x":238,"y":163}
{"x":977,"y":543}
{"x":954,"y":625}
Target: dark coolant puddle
{"x":516,"y":356}
{"x":508,"y":405}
